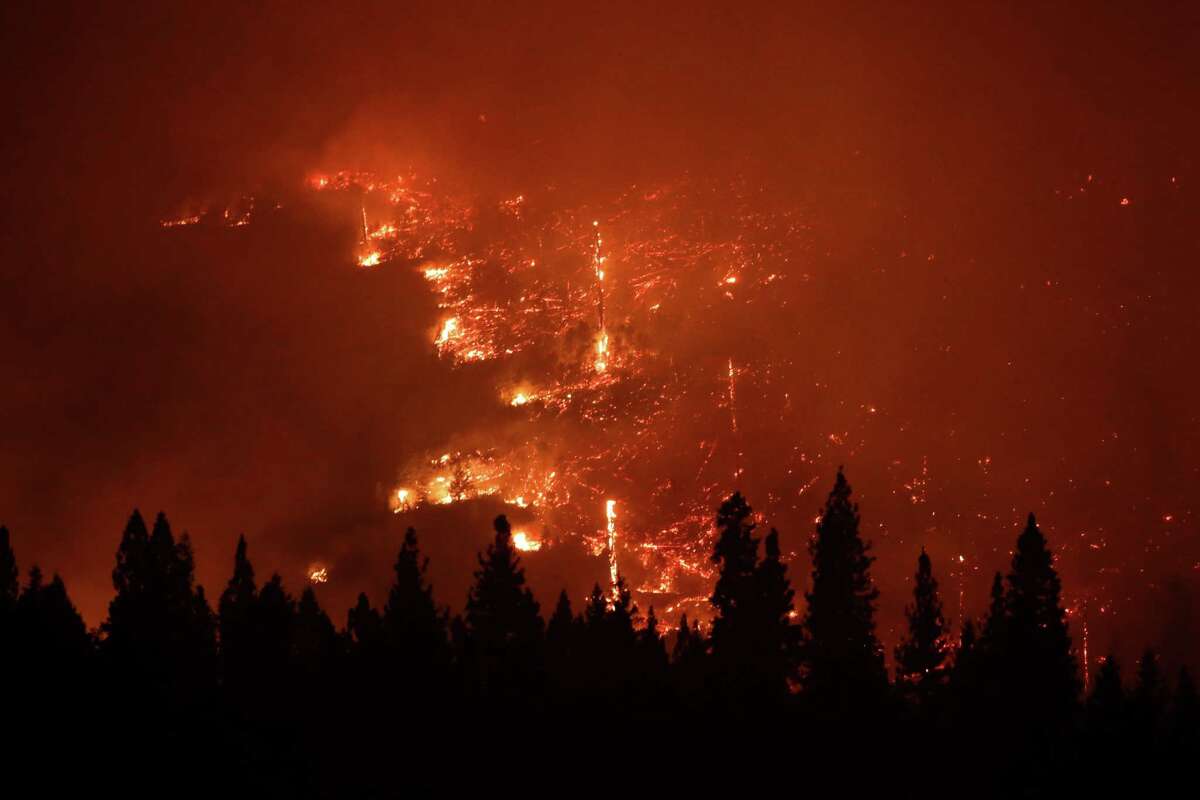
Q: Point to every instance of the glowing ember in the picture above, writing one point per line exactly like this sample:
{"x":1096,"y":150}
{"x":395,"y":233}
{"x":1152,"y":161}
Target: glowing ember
{"x":370,"y":259}
{"x":318,"y":575}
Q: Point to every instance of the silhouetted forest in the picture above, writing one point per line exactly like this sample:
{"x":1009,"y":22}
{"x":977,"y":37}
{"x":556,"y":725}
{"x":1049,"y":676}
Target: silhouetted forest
{"x":258,"y":693}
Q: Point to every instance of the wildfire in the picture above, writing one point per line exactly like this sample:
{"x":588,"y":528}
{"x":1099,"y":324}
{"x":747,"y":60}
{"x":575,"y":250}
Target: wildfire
{"x":586,"y":305}
{"x":449,"y":327}
{"x":522,"y":542}
{"x":610,"y":515}
{"x":601,"y":362}
{"x":318,"y":575}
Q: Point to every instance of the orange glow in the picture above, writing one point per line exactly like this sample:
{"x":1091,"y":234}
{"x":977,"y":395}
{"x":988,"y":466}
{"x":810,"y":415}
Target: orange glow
{"x":522,"y":542}
{"x":318,"y":575}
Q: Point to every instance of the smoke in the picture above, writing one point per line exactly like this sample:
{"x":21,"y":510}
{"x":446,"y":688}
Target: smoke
{"x":965,"y":306}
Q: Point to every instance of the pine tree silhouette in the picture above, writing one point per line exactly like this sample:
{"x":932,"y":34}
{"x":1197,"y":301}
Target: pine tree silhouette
{"x":159,"y":646}
{"x":1041,"y":673}
{"x":52,"y":690}
{"x":159,"y":624}
{"x":1183,"y":727}
{"x":1106,"y":704}
{"x":502,"y":622}
{"x":236,"y":623}
{"x":733,"y":597}
{"x":413,"y":626}
{"x":922,"y":653}
{"x":843,"y":661}
{"x":778,"y":639}
{"x":1106,"y":742}
{"x":965,"y":671}
{"x":1148,"y":701}
{"x":653,"y":648}
{"x":10,"y":588}
{"x":276,"y":613}
{"x":563,"y":633}
{"x":365,"y":627}
{"x":49,"y":629}
{"x":315,"y":642}
{"x":9,"y":579}
{"x":561,"y":629}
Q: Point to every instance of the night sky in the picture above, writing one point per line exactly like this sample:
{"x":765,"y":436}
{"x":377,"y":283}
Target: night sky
{"x":987,"y":304}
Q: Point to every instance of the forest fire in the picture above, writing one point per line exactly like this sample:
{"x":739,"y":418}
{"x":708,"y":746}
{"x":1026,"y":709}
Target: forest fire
{"x":529,"y":285}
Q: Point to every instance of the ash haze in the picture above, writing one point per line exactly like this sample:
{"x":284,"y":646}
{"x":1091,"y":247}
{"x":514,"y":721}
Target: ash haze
{"x":983,"y":220}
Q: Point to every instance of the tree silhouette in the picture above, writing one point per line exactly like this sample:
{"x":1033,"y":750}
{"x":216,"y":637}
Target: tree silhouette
{"x":562,"y":628}
{"x":689,"y":657}
{"x":49,"y":630}
{"x":9,"y":579}
{"x":843,"y":661}
{"x":413,"y":626}
{"x":1183,"y":726}
{"x":1148,"y":701}
{"x":276,"y":614}
{"x":922,"y":653}
{"x":563,"y":649}
{"x":736,"y":556}
{"x":754,"y":643}
{"x":315,"y":643}
{"x":1106,"y":744}
{"x":1040,"y":668}
{"x":10,"y":589}
{"x":965,"y":671}
{"x":365,"y":627}
{"x":159,"y":646}
{"x":159,"y":624}
{"x":48,"y":661}
{"x":503,"y":628}
{"x":778,"y":640}
{"x":236,"y":624}
{"x":653,"y":648}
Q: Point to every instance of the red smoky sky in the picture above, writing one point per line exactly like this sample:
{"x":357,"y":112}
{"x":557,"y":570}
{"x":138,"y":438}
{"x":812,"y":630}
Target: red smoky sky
{"x":1000,"y":214}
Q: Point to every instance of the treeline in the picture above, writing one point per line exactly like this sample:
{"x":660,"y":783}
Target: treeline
{"x":264,"y":696}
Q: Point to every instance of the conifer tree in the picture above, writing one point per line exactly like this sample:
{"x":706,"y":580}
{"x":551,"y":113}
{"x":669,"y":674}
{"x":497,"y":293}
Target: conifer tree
{"x":560,"y":630}
{"x":275,"y":614}
{"x":689,"y":642}
{"x":10,"y":588}
{"x":9,"y":579}
{"x":1148,"y":701}
{"x":502,"y":621}
{"x":50,"y":634}
{"x":314,"y":638}
{"x":159,"y":621}
{"x":995,"y":623}
{"x":653,"y":648}
{"x":733,"y":597}
{"x":415,"y":628}
{"x":921,"y":654}
{"x":236,"y":622}
{"x":1183,"y":722}
{"x":364,"y":626}
{"x":777,"y":646}
{"x":1039,"y":672}
{"x":843,"y":660}
{"x":1106,"y":704}
{"x":964,"y":673}
{"x":562,"y":645}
